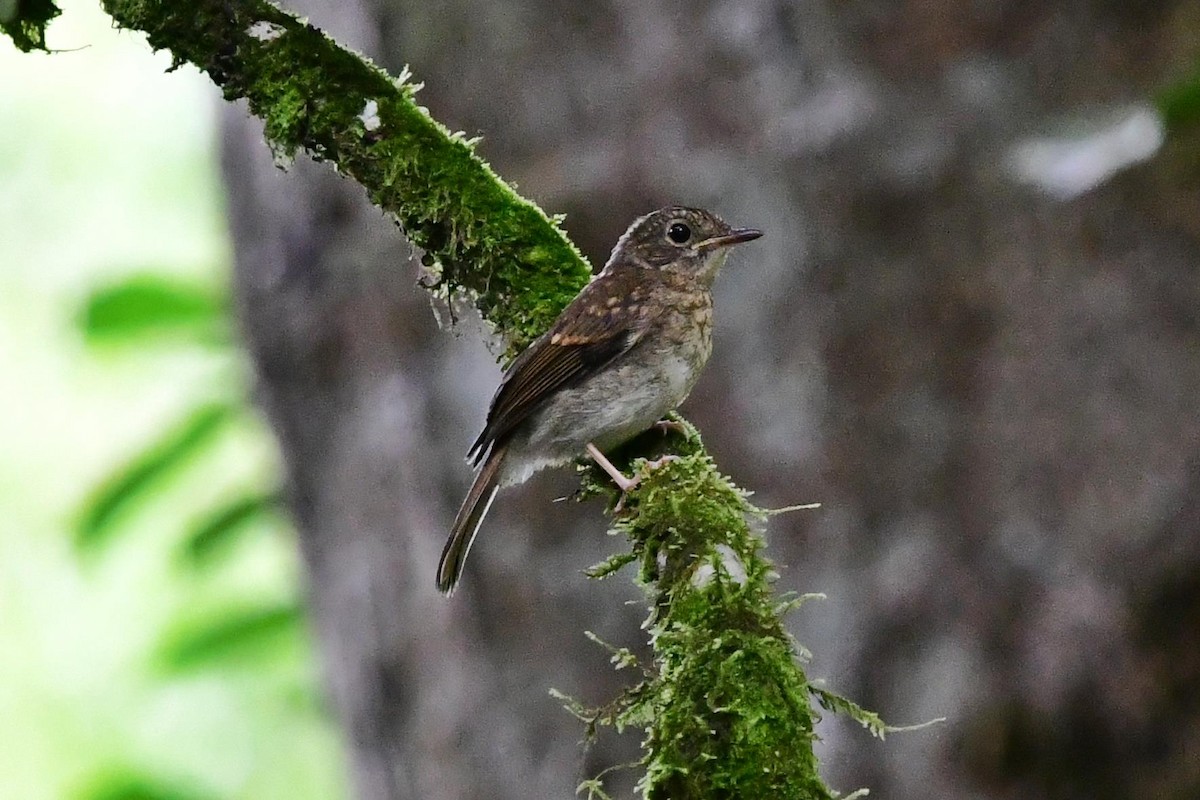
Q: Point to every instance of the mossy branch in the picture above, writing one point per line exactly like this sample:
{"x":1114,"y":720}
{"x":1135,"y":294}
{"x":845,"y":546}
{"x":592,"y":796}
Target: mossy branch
{"x":478,"y":235}
{"x":726,"y":706}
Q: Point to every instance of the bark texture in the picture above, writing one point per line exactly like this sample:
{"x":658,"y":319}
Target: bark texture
{"x":992,"y":392}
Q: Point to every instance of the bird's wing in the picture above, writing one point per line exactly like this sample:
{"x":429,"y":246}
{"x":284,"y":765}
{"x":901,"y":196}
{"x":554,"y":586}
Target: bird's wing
{"x":589,"y":333}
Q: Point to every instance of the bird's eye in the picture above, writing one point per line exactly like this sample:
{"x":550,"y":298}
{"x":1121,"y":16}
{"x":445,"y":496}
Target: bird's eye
{"x":679,"y":233}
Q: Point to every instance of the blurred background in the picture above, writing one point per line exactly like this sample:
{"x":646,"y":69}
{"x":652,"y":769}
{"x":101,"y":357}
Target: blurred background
{"x":971,"y":333}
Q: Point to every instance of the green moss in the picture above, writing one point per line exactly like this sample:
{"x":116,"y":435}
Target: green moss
{"x":25,"y":21}
{"x":735,"y":720}
{"x":726,"y":708}
{"x":725,"y":705}
{"x":479,"y":236}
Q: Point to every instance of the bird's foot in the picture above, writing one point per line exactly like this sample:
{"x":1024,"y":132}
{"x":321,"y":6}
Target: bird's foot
{"x":658,"y":463}
{"x":670,"y":426}
{"x":626,"y":484}
{"x":633,"y":482}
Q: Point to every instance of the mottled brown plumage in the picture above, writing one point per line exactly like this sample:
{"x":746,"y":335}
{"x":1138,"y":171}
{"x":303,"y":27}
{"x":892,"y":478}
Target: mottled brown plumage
{"x":624,"y":352}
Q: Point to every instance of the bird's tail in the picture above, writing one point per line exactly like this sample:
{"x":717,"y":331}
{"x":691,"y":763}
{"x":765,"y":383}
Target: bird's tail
{"x":470,"y":517}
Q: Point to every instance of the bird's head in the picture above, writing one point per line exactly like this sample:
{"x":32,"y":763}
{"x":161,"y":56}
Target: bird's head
{"x":678,"y":239}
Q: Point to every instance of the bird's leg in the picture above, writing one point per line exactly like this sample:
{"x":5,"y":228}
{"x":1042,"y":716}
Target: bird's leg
{"x":626,"y":484}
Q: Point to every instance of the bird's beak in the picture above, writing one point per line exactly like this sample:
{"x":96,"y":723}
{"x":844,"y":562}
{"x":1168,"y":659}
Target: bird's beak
{"x":736,"y":236}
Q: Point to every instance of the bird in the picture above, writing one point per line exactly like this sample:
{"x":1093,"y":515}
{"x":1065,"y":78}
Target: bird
{"x":627,"y":350}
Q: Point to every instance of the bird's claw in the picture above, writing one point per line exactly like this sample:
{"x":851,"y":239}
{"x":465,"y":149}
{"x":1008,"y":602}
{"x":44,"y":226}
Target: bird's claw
{"x":670,"y":426}
{"x":632,"y":483}
{"x":626,"y":485}
{"x":659,"y":462}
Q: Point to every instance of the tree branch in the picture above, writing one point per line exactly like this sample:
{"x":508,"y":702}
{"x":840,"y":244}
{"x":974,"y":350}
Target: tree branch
{"x":478,"y":235}
{"x":726,"y":706}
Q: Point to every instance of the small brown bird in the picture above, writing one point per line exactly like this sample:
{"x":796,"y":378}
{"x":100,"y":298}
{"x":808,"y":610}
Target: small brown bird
{"x":623,"y":353}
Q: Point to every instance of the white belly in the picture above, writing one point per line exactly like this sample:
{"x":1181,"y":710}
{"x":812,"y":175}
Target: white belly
{"x":641,"y":404}
{"x":607,"y":410}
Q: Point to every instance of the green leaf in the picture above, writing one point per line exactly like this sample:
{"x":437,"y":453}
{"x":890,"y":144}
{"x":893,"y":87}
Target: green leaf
{"x":123,"y":783}
{"x":109,"y":503}
{"x":25,"y":22}
{"x":215,"y":533}
{"x":151,"y":307}
{"x":1180,"y":104}
{"x":231,"y":636}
